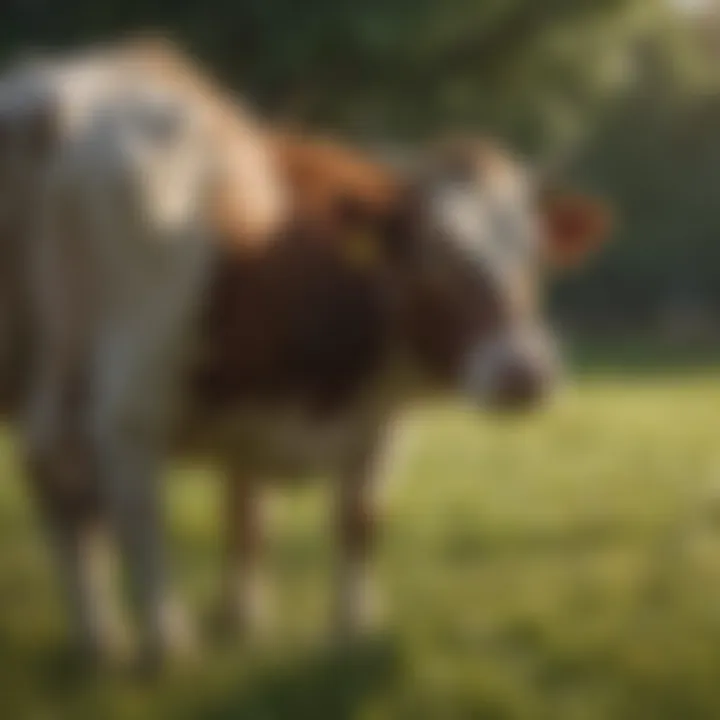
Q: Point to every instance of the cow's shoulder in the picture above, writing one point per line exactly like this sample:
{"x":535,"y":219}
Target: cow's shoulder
{"x":325,"y":178}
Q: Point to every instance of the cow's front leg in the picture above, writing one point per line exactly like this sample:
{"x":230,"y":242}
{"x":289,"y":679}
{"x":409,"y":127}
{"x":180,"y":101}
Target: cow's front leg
{"x":245,"y":601}
{"x":358,"y":495}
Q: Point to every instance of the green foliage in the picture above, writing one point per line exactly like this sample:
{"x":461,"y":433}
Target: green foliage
{"x":411,"y":65}
{"x":630,"y":82}
{"x":657,"y":154}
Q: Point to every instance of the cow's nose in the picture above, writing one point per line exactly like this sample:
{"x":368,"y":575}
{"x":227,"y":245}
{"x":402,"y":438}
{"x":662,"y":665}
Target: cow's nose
{"x":521,"y":385}
{"x":514,"y":372}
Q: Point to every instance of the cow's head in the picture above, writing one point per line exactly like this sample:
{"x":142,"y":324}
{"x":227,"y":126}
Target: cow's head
{"x":476,"y":244}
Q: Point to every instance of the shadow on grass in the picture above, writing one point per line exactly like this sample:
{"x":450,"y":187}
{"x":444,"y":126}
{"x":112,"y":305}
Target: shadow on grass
{"x":327,"y":684}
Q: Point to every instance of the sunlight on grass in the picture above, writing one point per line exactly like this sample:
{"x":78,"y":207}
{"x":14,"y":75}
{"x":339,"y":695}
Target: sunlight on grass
{"x":567,"y":566}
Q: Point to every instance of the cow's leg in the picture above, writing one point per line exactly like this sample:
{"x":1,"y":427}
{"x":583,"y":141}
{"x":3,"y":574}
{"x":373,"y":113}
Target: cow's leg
{"x":86,"y":565}
{"x":139,"y":372}
{"x":245,"y":602}
{"x":80,"y":544}
{"x":64,"y":484}
{"x":59,"y":453}
{"x":358,"y":495}
{"x":131,"y":428}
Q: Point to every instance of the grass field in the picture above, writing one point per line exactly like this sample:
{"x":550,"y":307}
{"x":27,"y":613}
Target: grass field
{"x":566,"y":567}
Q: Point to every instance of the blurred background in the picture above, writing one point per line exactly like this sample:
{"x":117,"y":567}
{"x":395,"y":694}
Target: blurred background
{"x":567,"y":568}
{"x":626,"y":87}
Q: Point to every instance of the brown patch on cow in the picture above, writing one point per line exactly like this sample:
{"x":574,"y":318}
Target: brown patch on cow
{"x":319,"y":312}
{"x":351,"y":286}
{"x":334,"y":191}
{"x":292,"y":323}
{"x":300,"y":318}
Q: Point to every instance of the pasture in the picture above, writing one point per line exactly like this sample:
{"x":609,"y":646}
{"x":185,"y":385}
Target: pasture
{"x":562,"y":567}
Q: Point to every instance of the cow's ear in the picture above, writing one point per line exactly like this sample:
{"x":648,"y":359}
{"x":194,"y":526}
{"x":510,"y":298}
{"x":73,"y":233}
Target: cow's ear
{"x":574,"y":226}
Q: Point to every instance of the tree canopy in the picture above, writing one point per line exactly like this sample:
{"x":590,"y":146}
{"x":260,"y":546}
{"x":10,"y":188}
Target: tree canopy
{"x":631,"y":84}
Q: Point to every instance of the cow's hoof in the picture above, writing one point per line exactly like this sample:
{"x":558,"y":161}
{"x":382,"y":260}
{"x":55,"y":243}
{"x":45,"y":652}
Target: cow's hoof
{"x":173,"y":643}
{"x":245,"y":623}
{"x":246,"y":615}
{"x":112,"y":652}
{"x":358,"y":620}
{"x":152,"y":661}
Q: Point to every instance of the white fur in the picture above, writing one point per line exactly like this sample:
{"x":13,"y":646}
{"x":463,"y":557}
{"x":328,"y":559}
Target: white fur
{"x":120,"y":262}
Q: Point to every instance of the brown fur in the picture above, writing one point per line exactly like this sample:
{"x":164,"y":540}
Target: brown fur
{"x":297,"y":319}
{"x":294,"y":319}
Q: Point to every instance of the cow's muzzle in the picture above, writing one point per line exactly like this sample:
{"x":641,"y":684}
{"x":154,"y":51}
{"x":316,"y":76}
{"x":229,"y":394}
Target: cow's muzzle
{"x":513,"y":371}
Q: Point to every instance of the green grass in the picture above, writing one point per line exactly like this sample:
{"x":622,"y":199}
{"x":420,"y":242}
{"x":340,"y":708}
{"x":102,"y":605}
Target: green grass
{"x":563,"y":567}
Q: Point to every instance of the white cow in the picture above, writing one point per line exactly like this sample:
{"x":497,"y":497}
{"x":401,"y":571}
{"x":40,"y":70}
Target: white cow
{"x":128,"y":154}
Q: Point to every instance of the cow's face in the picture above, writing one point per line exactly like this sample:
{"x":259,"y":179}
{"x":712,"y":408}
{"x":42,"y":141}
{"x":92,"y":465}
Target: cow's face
{"x":487,"y":237}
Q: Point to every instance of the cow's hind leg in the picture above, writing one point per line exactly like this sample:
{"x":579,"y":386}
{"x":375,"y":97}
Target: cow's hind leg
{"x":132,"y":492}
{"x":64,"y":484}
{"x":61,"y":460}
{"x":131,"y":433}
{"x":138,"y":374}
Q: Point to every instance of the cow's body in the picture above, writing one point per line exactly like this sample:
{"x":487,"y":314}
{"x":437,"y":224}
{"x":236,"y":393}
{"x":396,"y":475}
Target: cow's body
{"x":117,"y":252}
{"x":204,"y":287}
{"x":299,"y":334}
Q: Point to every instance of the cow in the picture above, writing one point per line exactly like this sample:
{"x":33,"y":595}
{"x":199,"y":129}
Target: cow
{"x":110,"y":158}
{"x":170,"y":321}
{"x":381,"y":291}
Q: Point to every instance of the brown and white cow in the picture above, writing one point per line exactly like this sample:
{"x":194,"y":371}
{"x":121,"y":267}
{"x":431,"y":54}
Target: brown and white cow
{"x":167,"y":322}
{"x":379,"y":291}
